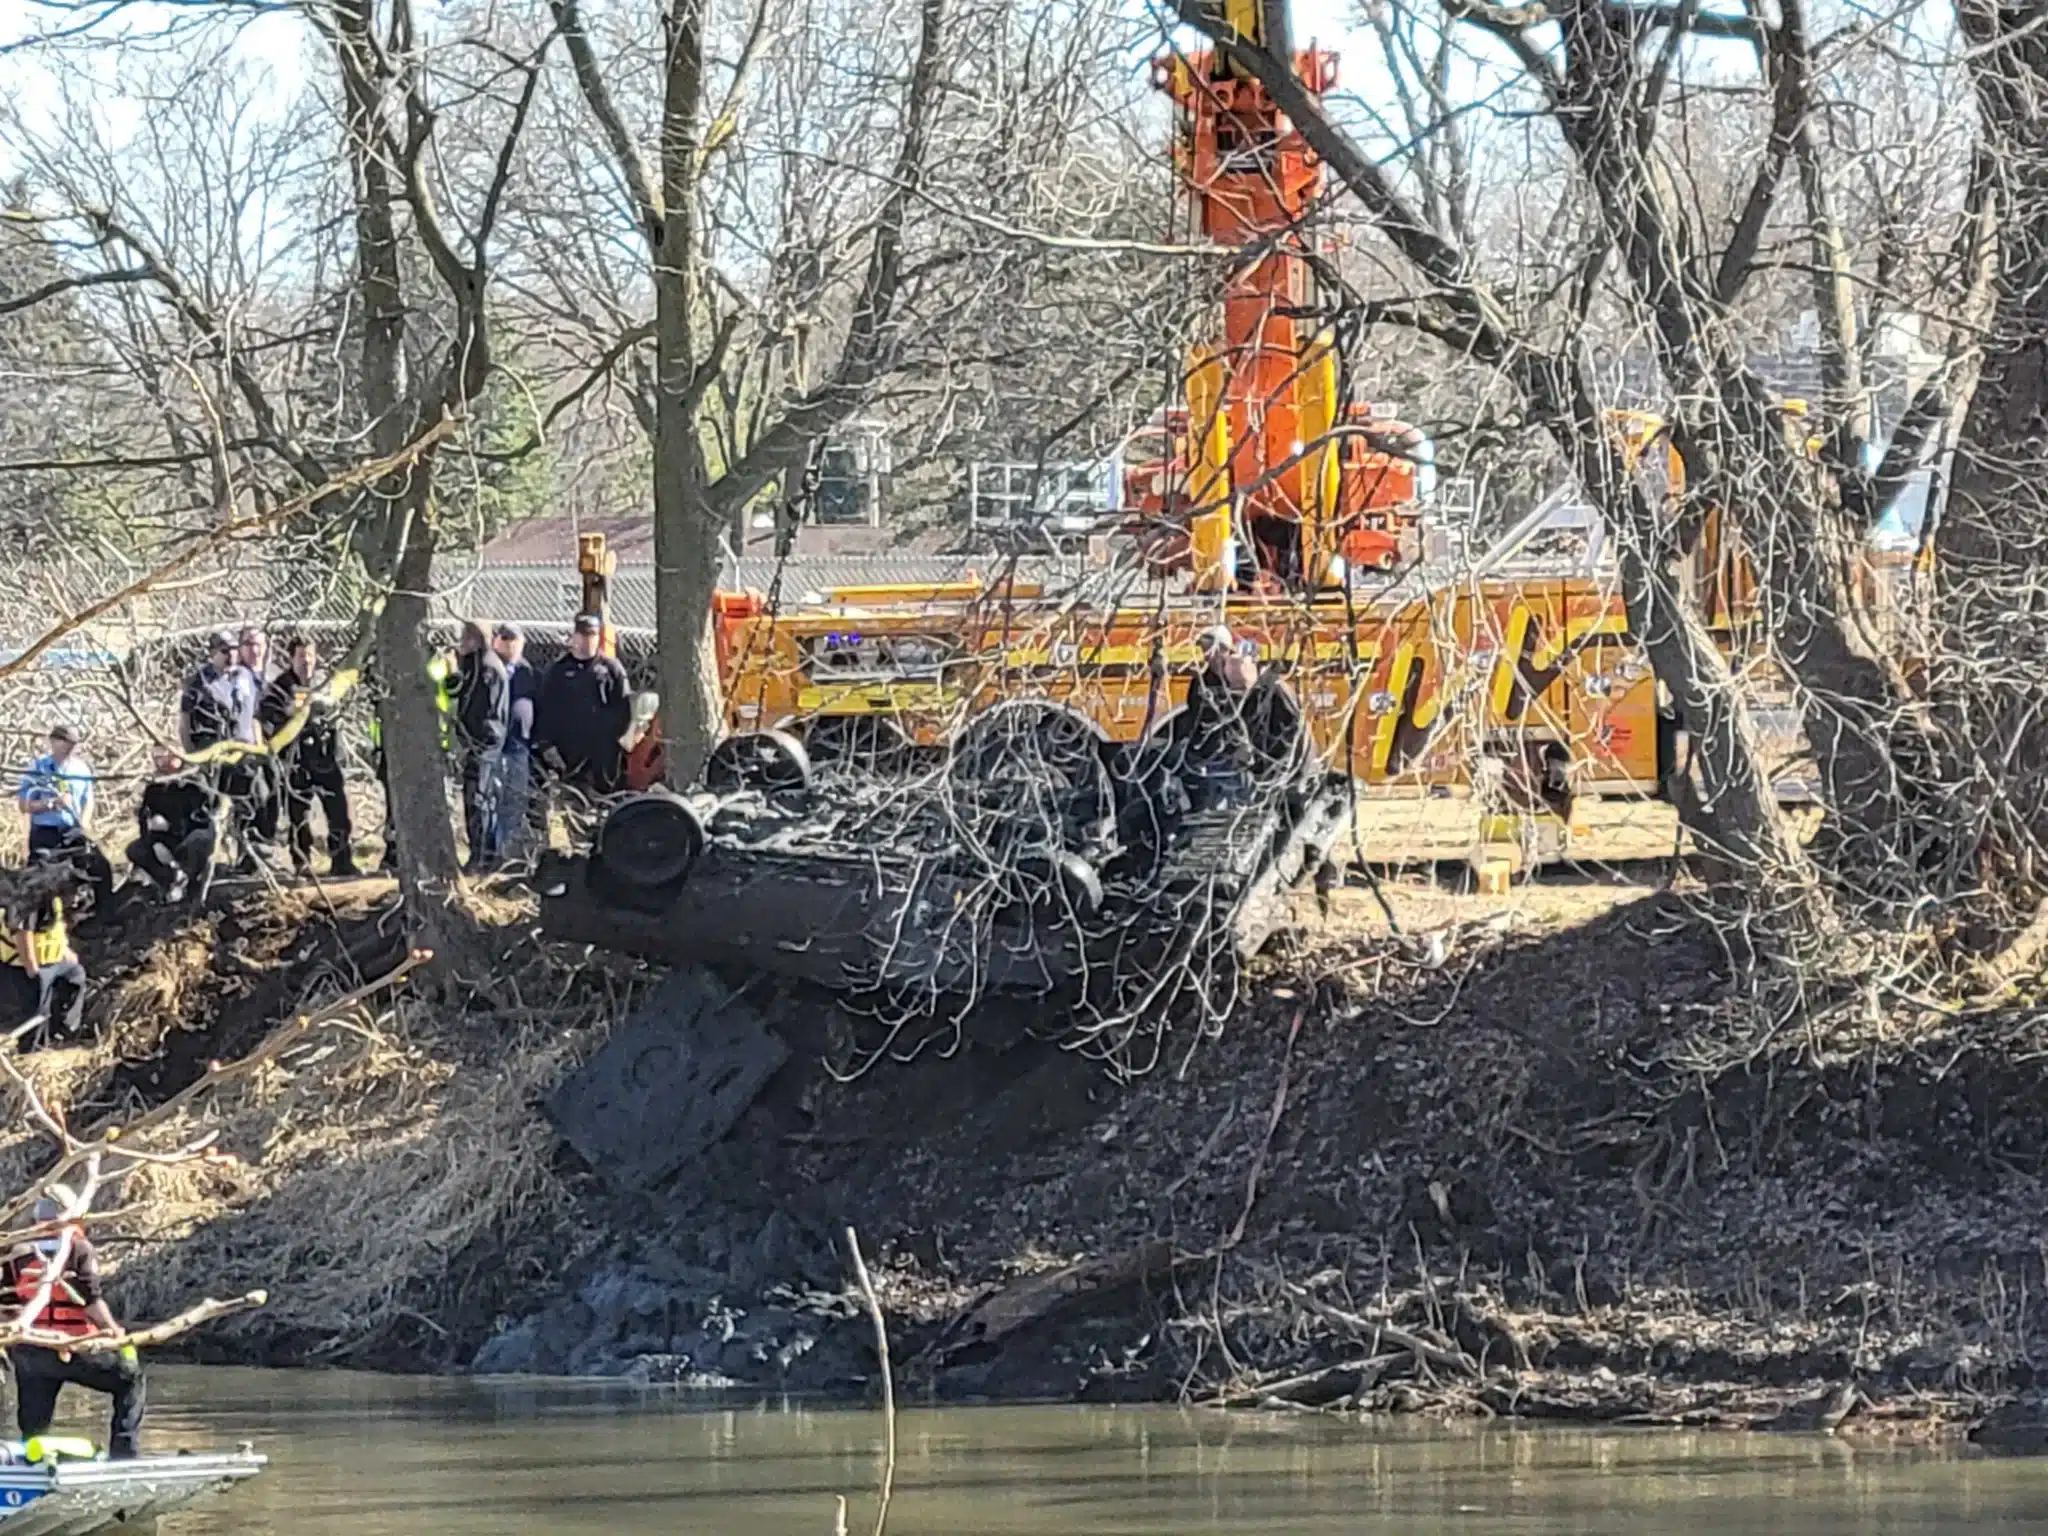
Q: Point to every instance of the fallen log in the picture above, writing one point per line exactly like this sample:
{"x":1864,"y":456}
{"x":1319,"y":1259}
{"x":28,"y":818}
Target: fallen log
{"x":142,"y":1338}
{"x":1031,"y":1301}
{"x":1310,"y":1389}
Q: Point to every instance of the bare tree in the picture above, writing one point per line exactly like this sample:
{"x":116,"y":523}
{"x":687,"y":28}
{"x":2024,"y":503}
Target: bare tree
{"x":837,"y":217}
{"x":705,"y":334}
{"x":1671,"y":264}
{"x":266,"y":360}
{"x":1988,"y":682}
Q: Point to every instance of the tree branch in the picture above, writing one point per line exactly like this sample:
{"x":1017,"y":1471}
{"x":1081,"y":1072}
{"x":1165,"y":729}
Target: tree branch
{"x":1436,"y":257}
{"x":1684,"y":17}
{"x":276,"y":436}
{"x":366,"y":473}
{"x":501,"y":175}
{"x":55,"y":286}
{"x":726,"y":120}
{"x":1841,"y":357}
{"x":632,"y":165}
{"x":1917,"y":429}
{"x":865,"y":353}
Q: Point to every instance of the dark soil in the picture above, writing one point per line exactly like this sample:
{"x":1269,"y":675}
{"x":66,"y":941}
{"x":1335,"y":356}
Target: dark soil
{"x":1535,"y":1178}
{"x":184,"y":986}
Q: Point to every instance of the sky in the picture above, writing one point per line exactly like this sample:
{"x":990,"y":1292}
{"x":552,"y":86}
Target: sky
{"x":275,"y":43}
{"x":272,"y":42}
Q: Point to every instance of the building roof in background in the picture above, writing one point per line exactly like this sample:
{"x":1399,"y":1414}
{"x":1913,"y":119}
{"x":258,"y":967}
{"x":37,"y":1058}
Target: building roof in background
{"x":551,"y":541}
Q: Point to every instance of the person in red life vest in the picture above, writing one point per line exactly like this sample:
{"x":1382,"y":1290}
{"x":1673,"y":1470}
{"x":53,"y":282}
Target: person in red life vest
{"x":75,"y":1309}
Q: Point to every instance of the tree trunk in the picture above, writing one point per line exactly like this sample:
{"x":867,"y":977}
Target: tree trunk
{"x":1991,"y":545}
{"x":414,"y":761}
{"x":1725,"y":799}
{"x":1740,"y":455}
{"x":395,"y":533}
{"x":685,"y":579}
{"x":686,"y":526}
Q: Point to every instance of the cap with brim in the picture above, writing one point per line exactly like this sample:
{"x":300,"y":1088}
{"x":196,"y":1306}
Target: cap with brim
{"x":1217,"y":634}
{"x":65,"y":733}
{"x":509,"y":632}
{"x":220,"y":640}
{"x":588,"y":624}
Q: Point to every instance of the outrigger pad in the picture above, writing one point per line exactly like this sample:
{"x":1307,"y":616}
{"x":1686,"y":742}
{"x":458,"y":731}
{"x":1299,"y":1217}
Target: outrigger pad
{"x":671,"y":1081}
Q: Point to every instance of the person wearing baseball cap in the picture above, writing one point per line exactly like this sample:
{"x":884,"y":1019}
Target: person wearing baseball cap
{"x":584,"y":709}
{"x":207,"y":706}
{"x":56,"y":795}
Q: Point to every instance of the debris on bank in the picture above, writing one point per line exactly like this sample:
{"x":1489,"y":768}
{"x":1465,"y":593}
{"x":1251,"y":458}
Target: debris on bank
{"x":387,"y":1180}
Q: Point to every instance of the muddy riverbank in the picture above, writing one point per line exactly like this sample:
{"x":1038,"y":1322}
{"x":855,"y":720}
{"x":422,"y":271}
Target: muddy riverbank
{"x":1534,"y":1165}
{"x":1497,"y":1172}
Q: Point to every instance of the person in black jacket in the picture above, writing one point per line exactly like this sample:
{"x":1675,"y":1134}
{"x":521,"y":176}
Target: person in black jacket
{"x":178,"y":826}
{"x":206,"y":706}
{"x":483,"y":712}
{"x":584,"y":709}
{"x":311,"y":761}
{"x":1217,"y":759}
{"x":519,"y":828}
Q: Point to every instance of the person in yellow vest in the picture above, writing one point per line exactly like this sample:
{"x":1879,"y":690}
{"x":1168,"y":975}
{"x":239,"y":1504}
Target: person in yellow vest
{"x":444,"y":675}
{"x":43,"y":978}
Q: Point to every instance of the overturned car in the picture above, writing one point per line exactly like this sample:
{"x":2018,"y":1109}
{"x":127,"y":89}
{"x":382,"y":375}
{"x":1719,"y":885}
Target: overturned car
{"x":1032,"y":859}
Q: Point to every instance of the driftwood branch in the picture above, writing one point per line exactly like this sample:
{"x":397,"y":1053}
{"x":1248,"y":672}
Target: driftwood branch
{"x":1378,"y":1330}
{"x":1251,"y":1179}
{"x":1294,"y":1389}
{"x":874,"y":1306}
{"x":141,"y":1338}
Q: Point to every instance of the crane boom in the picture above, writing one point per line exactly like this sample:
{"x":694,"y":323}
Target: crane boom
{"x":1265,"y":472}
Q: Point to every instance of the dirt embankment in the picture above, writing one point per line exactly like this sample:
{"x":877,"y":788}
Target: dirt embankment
{"x":389,"y":1180}
{"x":1523,"y":1171}
{"x":1496,"y":1174}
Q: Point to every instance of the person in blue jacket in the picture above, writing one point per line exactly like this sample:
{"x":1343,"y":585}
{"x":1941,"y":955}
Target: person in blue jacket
{"x":56,"y":795}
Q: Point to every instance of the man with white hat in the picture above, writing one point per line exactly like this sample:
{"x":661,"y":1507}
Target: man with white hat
{"x":75,"y":1308}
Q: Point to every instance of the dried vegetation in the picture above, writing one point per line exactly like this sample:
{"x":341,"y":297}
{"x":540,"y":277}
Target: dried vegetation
{"x":384,"y":1174}
{"x":1482,"y":1168}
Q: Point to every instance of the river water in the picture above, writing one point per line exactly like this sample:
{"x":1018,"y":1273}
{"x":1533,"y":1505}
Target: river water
{"x":381,"y":1456}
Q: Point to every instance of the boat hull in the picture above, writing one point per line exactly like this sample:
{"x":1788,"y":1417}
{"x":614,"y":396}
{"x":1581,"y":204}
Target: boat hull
{"x":73,"y":1498}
